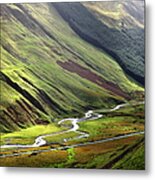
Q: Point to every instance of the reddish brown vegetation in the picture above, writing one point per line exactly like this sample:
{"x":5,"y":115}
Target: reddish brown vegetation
{"x":91,"y":76}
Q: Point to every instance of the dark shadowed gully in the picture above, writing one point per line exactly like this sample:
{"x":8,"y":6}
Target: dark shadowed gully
{"x":26,"y":94}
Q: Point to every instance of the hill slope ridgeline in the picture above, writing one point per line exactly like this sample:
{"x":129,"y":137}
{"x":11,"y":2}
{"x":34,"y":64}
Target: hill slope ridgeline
{"x":49,"y":69}
{"x":116,"y":27}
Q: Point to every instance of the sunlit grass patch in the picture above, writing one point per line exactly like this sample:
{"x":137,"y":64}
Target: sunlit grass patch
{"x":27,"y":136}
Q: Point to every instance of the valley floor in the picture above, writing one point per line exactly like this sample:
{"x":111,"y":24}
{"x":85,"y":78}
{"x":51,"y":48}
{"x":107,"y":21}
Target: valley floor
{"x":108,"y":139}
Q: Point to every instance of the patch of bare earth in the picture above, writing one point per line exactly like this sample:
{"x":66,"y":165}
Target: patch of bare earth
{"x":91,"y":76}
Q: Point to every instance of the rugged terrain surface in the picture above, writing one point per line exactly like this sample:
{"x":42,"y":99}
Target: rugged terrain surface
{"x":72,"y":85}
{"x":57,"y":61}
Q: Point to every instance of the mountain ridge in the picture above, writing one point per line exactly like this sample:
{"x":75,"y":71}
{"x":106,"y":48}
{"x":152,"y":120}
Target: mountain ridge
{"x":35,"y":88}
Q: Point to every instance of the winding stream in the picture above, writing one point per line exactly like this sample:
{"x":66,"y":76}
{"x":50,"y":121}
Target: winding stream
{"x":90,"y":115}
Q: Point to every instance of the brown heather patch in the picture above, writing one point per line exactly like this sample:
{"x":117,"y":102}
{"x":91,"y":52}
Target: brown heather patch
{"x":84,"y":154}
{"x":91,"y":76}
{"x":44,"y":159}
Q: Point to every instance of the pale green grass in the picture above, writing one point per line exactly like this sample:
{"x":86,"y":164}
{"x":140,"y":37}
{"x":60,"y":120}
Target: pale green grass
{"x":28,"y":135}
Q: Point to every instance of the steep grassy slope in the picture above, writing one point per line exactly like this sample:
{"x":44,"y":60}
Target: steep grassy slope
{"x":118,"y":14}
{"x":115,"y":27}
{"x":35,"y":86}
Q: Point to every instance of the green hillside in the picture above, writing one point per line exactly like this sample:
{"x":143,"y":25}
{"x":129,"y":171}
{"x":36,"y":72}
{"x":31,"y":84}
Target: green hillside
{"x":48,"y":71}
{"x":72,"y":85}
{"x":115,"y":27}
